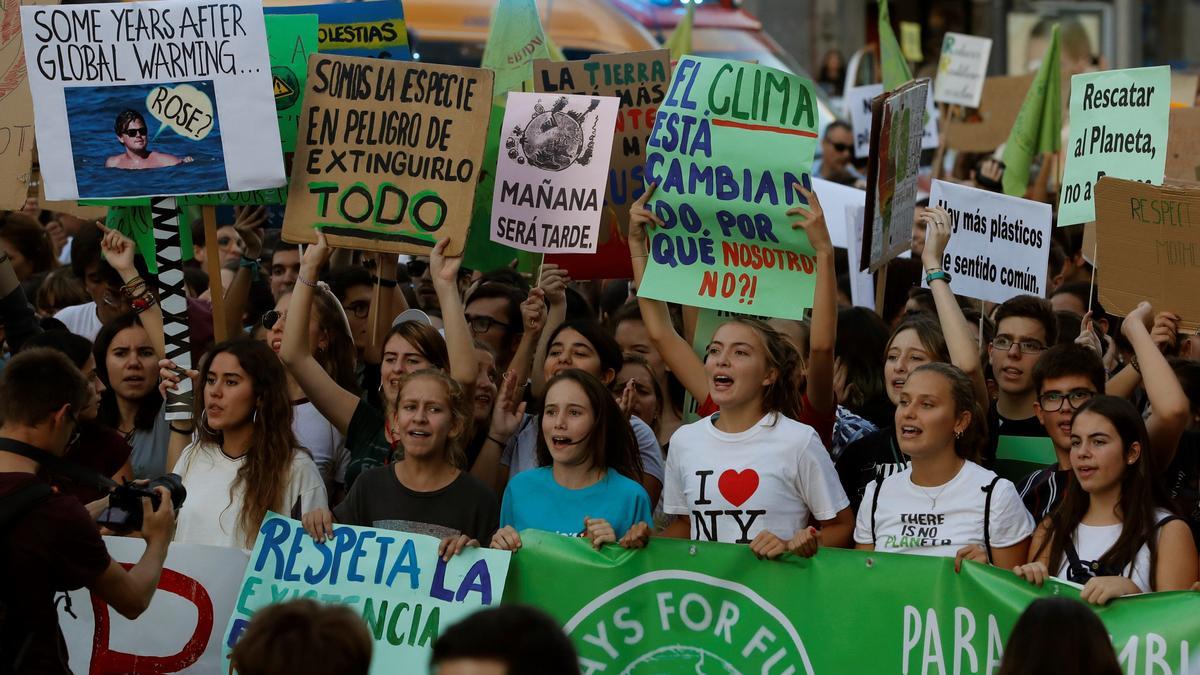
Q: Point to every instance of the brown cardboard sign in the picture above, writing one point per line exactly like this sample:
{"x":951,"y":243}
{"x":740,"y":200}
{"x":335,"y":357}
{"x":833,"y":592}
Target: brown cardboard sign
{"x":1183,"y":145}
{"x":897,"y":124}
{"x":987,"y":129}
{"x":640,"y":80}
{"x":16,"y":111}
{"x":388,"y":154}
{"x":1148,"y":241}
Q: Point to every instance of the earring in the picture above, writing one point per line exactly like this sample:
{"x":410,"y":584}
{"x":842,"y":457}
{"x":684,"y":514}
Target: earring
{"x":958,"y":435}
{"x":254,"y":416}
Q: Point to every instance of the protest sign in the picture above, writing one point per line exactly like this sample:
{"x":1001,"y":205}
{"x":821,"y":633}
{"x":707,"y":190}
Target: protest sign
{"x":729,"y":144}
{"x":374,"y":29}
{"x":910,"y":41}
{"x":1119,"y":124}
{"x":988,"y":127}
{"x":388,"y":154}
{"x":639,"y":80}
{"x":962,"y":69}
{"x":143,"y":98}
{"x":181,"y":630}
{"x":999,"y":245}
{"x":16,"y":112}
{"x":862,"y":282}
{"x":1148,"y":245}
{"x":1183,"y":145}
{"x":858,"y":105}
{"x":892,"y":173}
{"x":290,"y":40}
{"x":406,"y":593}
{"x":834,"y":198}
{"x":688,"y":606}
{"x":550,"y":179}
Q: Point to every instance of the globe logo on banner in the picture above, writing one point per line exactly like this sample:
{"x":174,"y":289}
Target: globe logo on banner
{"x":688,"y":631}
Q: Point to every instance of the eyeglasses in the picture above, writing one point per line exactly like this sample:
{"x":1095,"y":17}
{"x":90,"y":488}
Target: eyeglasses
{"x":482,"y":324}
{"x":271,"y":317}
{"x":841,"y":147}
{"x":1052,"y":401}
{"x":1004,"y":343}
{"x":135,"y":131}
{"x":359,"y":308}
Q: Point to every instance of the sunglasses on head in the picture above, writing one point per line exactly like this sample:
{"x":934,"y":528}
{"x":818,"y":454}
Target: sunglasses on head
{"x":135,"y":131}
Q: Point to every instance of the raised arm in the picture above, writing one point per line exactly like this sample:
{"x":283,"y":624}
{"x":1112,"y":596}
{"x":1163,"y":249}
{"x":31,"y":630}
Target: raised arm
{"x":533,"y":316}
{"x":823,"y":333}
{"x":237,"y":296}
{"x":334,"y":403}
{"x":675,"y":351}
{"x":552,"y":281}
{"x":459,"y":342}
{"x":119,"y":251}
{"x":1169,"y":405}
{"x":964,"y":352}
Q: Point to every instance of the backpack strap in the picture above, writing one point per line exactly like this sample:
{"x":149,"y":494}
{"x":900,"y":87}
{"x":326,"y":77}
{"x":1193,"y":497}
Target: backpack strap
{"x":15,"y":505}
{"x":1075,"y":566}
{"x":1166,"y":519}
{"x":875,"y":503}
{"x":987,"y":517}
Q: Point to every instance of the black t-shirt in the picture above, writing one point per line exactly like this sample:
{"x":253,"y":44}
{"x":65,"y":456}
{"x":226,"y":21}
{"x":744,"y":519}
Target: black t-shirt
{"x":999,"y":425}
{"x":1043,"y":490}
{"x":367,"y":443}
{"x":379,"y":499}
{"x":875,"y":455}
{"x":55,"y":546}
{"x":100,"y":449}
{"x":1182,"y":479}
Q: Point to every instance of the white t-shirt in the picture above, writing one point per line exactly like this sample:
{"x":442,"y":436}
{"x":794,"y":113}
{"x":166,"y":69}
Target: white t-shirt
{"x":733,"y":486}
{"x":321,"y":438}
{"x":938,"y":521}
{"x":81,"y":320}
{"x":1093,"y":541}
{"x":210,"y":514}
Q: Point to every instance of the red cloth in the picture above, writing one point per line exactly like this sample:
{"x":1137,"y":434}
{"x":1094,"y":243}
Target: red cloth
{"x":822,"y":423}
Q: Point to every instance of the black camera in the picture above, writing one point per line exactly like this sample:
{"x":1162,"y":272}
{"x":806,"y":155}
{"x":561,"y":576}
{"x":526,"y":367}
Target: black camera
{"x":124,"y":512}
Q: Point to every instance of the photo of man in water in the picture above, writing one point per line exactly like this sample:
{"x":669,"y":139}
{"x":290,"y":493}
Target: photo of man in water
{"x":132,"y":133}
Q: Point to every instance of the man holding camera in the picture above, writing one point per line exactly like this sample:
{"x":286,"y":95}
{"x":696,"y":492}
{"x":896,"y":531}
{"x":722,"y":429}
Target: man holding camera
{"x":48,"y":542}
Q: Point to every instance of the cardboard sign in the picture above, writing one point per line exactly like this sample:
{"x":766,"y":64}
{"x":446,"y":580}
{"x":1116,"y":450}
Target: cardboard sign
{"x":290,"y":40}
{"x":1148,"y":244}
{"x":726,"y":156}
{"x":374,"y":29}
{"x":550,"y":179}
{"x":640,"y":80}
{"x":1119,"y":123}
{"x":388,"y":154}
{"x":999,"y":245}
{"x":1183,"y":145}
{"x":987,"y":128}
{"x":892,"y":173}
{"x":16,"y":112}
{"x":149,"y":99}
{"x":962,"y":69}
{"x":406,"y":593}
{"x":180,"y":632}
{"x":858,"y":105}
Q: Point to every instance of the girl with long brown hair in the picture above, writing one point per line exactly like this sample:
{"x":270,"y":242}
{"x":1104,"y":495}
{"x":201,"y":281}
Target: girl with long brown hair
{"x":245,"y":460}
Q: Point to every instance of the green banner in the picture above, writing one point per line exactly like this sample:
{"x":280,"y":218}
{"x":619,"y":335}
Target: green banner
{"x":689,"y":607}
{"x":1038,"y":127}
{"x":729,"y":143}
{"x":290,"y":39}
{"x":406,"y":593}
{"x":896,"y":70}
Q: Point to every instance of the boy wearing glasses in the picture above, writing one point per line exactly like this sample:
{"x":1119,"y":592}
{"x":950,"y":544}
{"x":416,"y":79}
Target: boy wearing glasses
{"x":1025,"y":328}
{"x":131,"y":131}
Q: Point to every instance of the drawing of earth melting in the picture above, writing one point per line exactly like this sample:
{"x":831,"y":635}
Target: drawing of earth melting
{"x":681,"y":660}
{"x":554,"y":139}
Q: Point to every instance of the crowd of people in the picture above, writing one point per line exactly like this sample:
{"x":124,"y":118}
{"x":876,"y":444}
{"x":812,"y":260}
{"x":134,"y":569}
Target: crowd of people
{"x":471,"y":405}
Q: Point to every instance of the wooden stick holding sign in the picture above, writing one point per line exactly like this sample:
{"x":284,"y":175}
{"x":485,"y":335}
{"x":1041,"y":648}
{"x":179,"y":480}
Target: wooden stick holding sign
{"x":173,"y":300}
{"x":212,"y":266}
{"x":940,"y":155}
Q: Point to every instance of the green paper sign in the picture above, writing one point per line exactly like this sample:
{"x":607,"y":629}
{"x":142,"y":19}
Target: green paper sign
{"x":406,"y":594}
{"x":249,"y":198}
{"x":290,"y":39}
{"x":729,"y":143}
{"x":1019,"y":456}
{"x":1119,"y":122}
{"x":688,"y":607}
{"x":136,"y":223}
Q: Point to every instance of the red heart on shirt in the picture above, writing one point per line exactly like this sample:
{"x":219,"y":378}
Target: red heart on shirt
{"x":738,"y":486}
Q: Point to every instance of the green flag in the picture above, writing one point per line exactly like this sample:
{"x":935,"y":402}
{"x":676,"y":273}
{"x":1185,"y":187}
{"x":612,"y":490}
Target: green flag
{"x":680,"y":41}
{"x":515,"y":40}
{"x":1038,"y":127}
{"x":895,"y":68}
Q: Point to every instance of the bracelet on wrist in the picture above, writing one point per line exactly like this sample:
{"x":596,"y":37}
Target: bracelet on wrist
{"x":935,"y":275}
{"x":181,"y":432}
{"x":386,"y":283}
{"x":1136,"y":366}
{"x":497,"y":441}
{"x":143,"y":302}
{"x":306,"y":282}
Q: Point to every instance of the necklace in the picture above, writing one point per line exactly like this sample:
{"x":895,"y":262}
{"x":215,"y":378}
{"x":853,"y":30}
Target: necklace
{"x":933,"y":498}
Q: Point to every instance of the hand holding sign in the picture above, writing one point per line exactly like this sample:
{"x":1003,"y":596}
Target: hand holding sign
{"x":811,"y":220}
{"x":640,"y":219}
{"x":937,"y":236}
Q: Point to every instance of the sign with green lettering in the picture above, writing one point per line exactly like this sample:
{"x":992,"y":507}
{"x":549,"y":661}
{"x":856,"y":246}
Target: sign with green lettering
{"x":1119,"y":123}
{"x":1148,"y":244}
{"x":406,"y":593}
{"x":290,"y":39}
{"x":701,"y":607}
{"x":730,"y":143}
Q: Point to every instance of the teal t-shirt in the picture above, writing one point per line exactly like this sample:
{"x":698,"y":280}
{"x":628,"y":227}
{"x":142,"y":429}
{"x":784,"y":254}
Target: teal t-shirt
{"x":533,"y":499}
